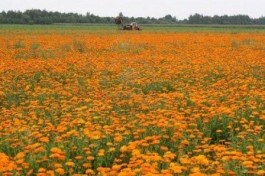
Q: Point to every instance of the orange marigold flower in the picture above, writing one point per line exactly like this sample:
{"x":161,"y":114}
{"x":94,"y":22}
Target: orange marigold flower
{"x":175,"y":168}
{"x":44,"y":139}
{"x":90,"y":171}
{"x":60,"y":171}
{"x":56,"y":150}
{"x":90,"y":158}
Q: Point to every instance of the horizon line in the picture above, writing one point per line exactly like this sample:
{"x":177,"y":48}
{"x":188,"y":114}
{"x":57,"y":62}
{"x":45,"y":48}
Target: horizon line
{"x":262,"y":16}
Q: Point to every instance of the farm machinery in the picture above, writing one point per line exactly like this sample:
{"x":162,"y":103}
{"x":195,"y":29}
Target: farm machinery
{"x":122,"y":26}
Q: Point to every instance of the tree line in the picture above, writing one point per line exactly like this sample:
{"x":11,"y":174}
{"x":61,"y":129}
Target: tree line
{"x":36,"y":16}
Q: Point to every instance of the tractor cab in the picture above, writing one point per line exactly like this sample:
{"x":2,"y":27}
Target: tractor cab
{"x":132,"y":26}
{"x":135,"y":26}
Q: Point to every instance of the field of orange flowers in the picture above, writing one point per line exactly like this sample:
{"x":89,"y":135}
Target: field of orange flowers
{"x":129,"y":103}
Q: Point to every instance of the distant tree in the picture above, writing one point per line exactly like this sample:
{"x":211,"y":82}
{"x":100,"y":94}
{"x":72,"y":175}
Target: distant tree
{"x":36,"y":16}
{"x":168,"y":17}
{"x":120,"y":14}
{"x":195,"y":19}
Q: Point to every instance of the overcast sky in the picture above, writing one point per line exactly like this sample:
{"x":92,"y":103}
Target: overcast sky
{"x":153,"y":8}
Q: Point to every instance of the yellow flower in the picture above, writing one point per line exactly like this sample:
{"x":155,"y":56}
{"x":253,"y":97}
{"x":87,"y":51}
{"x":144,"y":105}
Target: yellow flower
{"x":70,"y":164}
{"x":195,"y":169}
{"x":116,"y":167}
{"x":20,"y":155}
{"x":175,"y":168}
{"x":260,"y":172}
{"x":201,"y":159}
{"x":2,"y":94}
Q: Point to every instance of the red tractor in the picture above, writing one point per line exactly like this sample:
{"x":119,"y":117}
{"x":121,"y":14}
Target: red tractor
{"x":132,"y":26}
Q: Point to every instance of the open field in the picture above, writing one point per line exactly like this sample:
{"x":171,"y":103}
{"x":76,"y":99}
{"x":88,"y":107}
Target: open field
{"x":77,"y":101}
{"x":111,"y":28}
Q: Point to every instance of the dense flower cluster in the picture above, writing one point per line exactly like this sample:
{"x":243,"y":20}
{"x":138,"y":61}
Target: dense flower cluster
{"x":115,"y":103}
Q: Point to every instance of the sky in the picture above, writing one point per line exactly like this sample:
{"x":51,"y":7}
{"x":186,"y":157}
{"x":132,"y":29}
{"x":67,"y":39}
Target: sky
{"x":143,"y":8}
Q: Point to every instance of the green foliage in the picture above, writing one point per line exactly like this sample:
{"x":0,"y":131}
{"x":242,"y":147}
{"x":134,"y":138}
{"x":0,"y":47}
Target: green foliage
{"x":12,"y":99}
{"x":236,"y":167}
{"x":34,"y":46}
{"x":36,"y":51}
{"x":225,"y":19}
{"x":19,"y":44}
{"x":36,"y":16}
{"x":246,"y":42}
{"x":212,"y":127}
{"x":79,"y":46}
{"x":160,"y":87}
